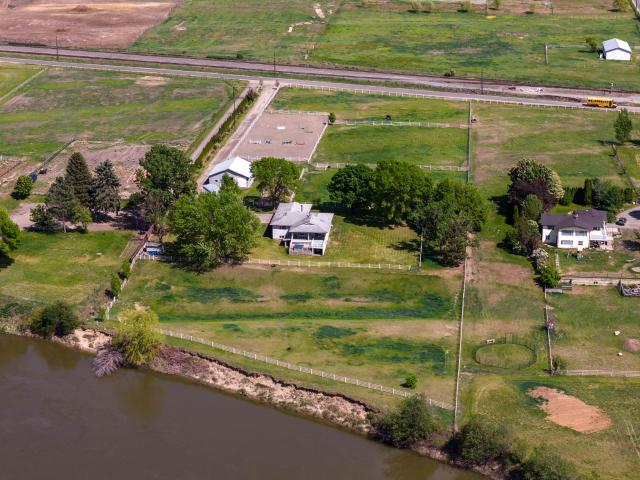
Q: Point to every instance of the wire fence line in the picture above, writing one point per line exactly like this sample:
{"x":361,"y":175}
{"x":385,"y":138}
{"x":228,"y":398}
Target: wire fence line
{"x":451,"y":168}
{"x":299,"y":368}
{"x":600,"y":373}
{"x":393,"y":123}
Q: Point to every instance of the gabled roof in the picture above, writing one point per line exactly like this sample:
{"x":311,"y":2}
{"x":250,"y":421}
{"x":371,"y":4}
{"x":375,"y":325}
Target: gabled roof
{"x":289,"y":214}
{"x":614,"y":44}
{"x":587,"y":219}
{"x":236,"y":165}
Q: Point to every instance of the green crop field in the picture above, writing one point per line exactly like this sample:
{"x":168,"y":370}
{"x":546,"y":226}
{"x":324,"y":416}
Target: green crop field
{"x":249,"y":29}
{"x":64,"y":266}
{"x":60,"y":105}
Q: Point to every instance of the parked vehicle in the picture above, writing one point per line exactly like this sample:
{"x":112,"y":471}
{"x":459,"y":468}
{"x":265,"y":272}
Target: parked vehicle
{"x":621,"y":221}
{"x":600,"y":102}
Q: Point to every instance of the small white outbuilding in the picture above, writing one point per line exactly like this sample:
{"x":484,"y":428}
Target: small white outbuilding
{"x":616,"y":49}
{"x":237,"y":168}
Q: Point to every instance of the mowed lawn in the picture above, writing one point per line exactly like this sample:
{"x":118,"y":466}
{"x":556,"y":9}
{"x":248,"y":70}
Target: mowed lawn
{"x":386,"y":36}
{"x":62,"y":104}
{"x":378,"y":327}
{"x":13,"y":75}
{"x":608,"y":454}
{"x":61,"y":266}
{"x":249,"y":29}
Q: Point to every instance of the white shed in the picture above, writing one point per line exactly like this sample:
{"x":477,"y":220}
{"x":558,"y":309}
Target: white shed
{"x":237,"y":168}
{"x":616,"y":49}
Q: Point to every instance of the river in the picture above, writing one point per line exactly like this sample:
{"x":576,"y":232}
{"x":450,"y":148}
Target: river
{"x":58,"y":421}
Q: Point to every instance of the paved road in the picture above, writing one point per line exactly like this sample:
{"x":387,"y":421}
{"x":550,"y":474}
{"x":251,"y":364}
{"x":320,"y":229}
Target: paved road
{"x":633,"y":218}
{"x":344,"y":86}
{"x":451,"y":83}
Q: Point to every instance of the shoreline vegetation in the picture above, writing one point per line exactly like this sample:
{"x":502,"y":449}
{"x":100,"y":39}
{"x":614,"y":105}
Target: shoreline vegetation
{"x":335,"y":409}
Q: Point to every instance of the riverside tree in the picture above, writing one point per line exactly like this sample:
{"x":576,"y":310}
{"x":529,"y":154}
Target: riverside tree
{"x":57,"y":319}
{"x":407,"y":425}
{"x":277,"y":178}
{"x":9,"y":233}
{"x":482,"y":441}
{"x":79,"y":177}
{"x":105,"y":189}
{"x":214,"y":228}
{"x":136,"y":336}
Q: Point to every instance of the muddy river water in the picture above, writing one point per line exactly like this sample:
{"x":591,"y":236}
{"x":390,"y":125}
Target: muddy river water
{"x":57,"y":421}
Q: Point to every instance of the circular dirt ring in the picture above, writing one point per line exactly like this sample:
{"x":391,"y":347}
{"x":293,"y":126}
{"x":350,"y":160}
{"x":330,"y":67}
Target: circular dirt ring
{"x":506,"y":355}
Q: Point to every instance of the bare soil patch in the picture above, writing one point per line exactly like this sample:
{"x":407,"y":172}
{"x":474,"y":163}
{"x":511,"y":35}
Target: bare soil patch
{"x":148,"y":81}
{"x":631,"y":345}
{"x":125,"y":159}
{"x":571,"y":412}
{"x":90,"y":23}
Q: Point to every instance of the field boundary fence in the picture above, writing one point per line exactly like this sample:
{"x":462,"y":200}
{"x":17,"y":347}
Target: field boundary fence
{"x":448,"y":168}
{"x":600,"y":373}
{"x":393,"y":123}
{"x":299,"y":368}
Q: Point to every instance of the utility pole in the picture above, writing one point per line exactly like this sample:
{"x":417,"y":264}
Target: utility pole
{"x":482,"y":81}
{"x":420,"y":259}
{"x":546,"y":54}
{"x":611,"y":88}
{"x":274,"y":63}
{"x":233,"y":89}
{"x":57,"y":53}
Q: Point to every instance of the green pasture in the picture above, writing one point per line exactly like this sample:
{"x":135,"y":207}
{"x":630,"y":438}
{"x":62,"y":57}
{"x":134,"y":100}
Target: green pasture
{"x":61,"y":266}
{"x":250,"y":29}
{"x":368,"y":107}
{"x":12,"y":75}
{"x":508,"y":47}
{"x":587,"y":319}
{"x":60,"y":105}
{"x":372,"y":144}
{"x":606,"y":454}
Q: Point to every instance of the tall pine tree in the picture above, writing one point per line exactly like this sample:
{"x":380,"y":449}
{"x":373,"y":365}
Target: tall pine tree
{"x":79,"y":176}
{"x":105,"y":195}
{"x":60,"y":200}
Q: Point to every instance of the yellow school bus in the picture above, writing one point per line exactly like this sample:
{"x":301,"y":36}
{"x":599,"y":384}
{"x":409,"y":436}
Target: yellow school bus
{"x":600,"y":102}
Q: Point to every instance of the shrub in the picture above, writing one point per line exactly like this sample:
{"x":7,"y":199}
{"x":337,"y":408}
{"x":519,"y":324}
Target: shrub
{"x":23,"y":187}
{"x":549,"y":276}
{"x":592,"y":43}
{"x":116,"y":285}
{"x":409,"y":424}
{"x":136,"y":337}
{"x":57,"y":319}
{"x":497,"y":4}
{"x":483,"y":440}
{"x":107,"y":361}
{"x":332,"y":118}
{"x":410,"y":382}
{"x":465,"y":6}
{"x":544,"y":464}
{"x":126,"y":269}
{"x":621,"y":5}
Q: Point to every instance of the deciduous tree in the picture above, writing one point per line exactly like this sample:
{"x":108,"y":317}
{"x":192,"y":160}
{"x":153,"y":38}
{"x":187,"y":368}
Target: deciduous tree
{"x":9,"y":233}
{"x":530,"y":177}
{"x":350,"y":187}
{"x":409,"y":424}
{"x":58,"y":319}
{"x":277,"y":178}
{"x":136,"y":336}
{"x":23,"y":187}
{"x":623,"y":126}
{"x":81,"y":216}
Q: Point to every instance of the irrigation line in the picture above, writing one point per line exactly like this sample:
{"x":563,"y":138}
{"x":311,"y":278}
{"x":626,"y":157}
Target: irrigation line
{"x":15,"y":89}
{"x":456,"y":400}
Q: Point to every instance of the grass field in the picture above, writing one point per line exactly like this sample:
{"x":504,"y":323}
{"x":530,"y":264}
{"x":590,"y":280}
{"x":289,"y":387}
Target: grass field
{"x":249,"y":29}
{"x":608,"y":454}
{"x":69,"y":266}
{"x":63,"y":104}
{"x":13,"y":75}
{"x":383,"y":36}
{"x":377,"y":326}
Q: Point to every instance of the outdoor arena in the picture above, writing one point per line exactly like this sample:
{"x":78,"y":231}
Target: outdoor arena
{"x":293,"y":136}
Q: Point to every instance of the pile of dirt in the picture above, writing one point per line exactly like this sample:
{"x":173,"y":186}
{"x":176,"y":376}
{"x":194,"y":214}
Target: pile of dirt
{"x":81,"y":9}
{"x":569,"y":411}
{"x":631,"y":345}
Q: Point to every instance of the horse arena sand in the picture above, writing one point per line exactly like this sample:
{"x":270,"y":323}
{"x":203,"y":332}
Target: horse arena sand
{"x":89,"y":24}
{"x":293,"y":136}
{"x":570,"y":412}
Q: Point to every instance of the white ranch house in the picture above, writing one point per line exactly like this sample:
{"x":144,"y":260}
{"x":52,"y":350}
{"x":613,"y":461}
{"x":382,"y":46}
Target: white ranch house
{"x":237,"y":168}
{"x":616,"y":49}
{"x":302,"y":231}
{"x":580,"y":229}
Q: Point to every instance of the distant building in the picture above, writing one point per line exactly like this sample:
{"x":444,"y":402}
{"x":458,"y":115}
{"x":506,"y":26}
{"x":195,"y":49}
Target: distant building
{"x":616,"y":49}
{"x":302,"y":231}
{"x":580,"y":229}
{"x":237,"y":168}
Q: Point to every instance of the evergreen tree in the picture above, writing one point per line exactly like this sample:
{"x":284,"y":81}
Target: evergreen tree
{"x":60,"y":200}
{"x":79,"y":177}
{"x":587,"y":196}
{"x":105,"y":196}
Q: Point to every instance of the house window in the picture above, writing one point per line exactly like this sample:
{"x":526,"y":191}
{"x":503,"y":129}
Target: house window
{"x":581,"y":233}
{"x":580,"y":242}
{"x":566,"y":242}
{"x":568,"y":233}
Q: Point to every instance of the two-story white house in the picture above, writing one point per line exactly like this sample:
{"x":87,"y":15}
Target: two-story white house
{"x":237,"y":168}
{"x":580,"y":229}
{"x":302,"y":231}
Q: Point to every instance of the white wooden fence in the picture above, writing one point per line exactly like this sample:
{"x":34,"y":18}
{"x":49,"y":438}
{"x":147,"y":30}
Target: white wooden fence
{"x":392,"y":123}
{"x":451,"y":168}
{"x":600,"y":373}
{"x":300,"y":368}
{"x":309,"y":263}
